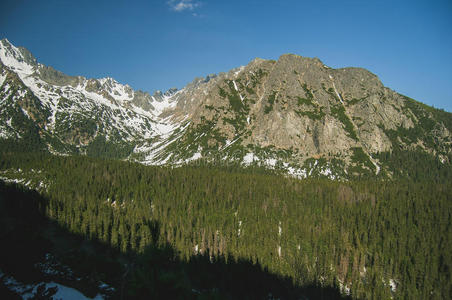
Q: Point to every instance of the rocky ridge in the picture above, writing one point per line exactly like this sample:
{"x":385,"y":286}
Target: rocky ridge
{"x":294,"y":114}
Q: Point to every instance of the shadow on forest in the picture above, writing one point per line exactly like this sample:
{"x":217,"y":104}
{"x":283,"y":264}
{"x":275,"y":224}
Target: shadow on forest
{"x":26,"y":236}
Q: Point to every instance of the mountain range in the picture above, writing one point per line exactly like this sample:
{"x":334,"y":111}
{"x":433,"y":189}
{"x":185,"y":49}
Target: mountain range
{"x":295,"y":115}
{"x":112,"y":193}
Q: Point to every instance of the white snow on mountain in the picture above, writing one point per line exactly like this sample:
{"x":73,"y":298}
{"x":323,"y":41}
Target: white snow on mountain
{"x":103,"y":99}
{"x":13,"y":58}
{"x":76,"y":112}
{"x":166,"y":103}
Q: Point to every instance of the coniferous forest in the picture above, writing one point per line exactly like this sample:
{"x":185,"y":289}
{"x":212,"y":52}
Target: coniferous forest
{"x":202,"y":232}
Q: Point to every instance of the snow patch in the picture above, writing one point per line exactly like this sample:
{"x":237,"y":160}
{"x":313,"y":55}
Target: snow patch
{"x":363,"y":272}
{"x":239,"y":231}
{"x":249,"y":158}
{"x":337,"y":94}
{"x":229,"y":143}
{"x":54,"y":109}
{"x":27,"y":291}
{"x":164,"y":128}
{"x":4,"y":134}
{"x":392,"y":285}
{"x":271,"y":162}
{"x":153,"y":152}
{"x":200,"y":136}
{"x":235,"y":85}
{"x":377,"y":167}
{"x":21,"y":93}
{"x":25,"y":112}
{"x":297,"y":173}
{"x":166,"y":103}
{"x":63,"y":292}
{"x":326,"y":172}
{"x":2,"y":79}
{"x":195,"y":156}
{"x":6,"y":88}
{"x":239,"y":71}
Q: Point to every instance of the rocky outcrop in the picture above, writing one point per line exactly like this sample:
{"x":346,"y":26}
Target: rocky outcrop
{"x":294,"y":113}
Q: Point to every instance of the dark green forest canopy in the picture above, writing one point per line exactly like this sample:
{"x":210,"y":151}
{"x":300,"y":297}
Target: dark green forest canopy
{"x":378,"y":238}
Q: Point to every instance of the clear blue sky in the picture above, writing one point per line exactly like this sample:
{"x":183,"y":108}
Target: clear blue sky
{"x":159,"y":44}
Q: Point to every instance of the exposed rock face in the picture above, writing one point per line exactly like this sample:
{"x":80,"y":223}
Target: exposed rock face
{"x":294,"y":113}
{"x":296,"y":109}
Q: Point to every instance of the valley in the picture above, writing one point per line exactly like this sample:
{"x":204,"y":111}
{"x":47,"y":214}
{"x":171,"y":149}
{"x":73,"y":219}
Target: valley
{"x":281,"y":179}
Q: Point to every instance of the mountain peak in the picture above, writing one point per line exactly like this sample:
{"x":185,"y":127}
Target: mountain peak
{"x":171,"y":92}
{"x":4,"y":40}
{"x":17,"y":58}
{"x":294,"y":112}
{"x":297,"y":59}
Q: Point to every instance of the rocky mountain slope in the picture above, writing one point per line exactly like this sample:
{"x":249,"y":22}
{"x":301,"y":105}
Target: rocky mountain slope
{"x":293,"y":114}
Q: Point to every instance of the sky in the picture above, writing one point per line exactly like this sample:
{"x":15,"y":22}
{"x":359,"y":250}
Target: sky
{"x":158,"y":44}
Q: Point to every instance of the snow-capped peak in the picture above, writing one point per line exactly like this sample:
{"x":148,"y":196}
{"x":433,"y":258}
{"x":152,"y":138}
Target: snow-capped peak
{"x":116,"y":90}
{"x":18,"y":60}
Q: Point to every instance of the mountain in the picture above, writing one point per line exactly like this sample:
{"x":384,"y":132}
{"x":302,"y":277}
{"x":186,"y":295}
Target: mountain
{"x":65,"y":114}
{"x":211,"y":228}
{"x":294,"y":114}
